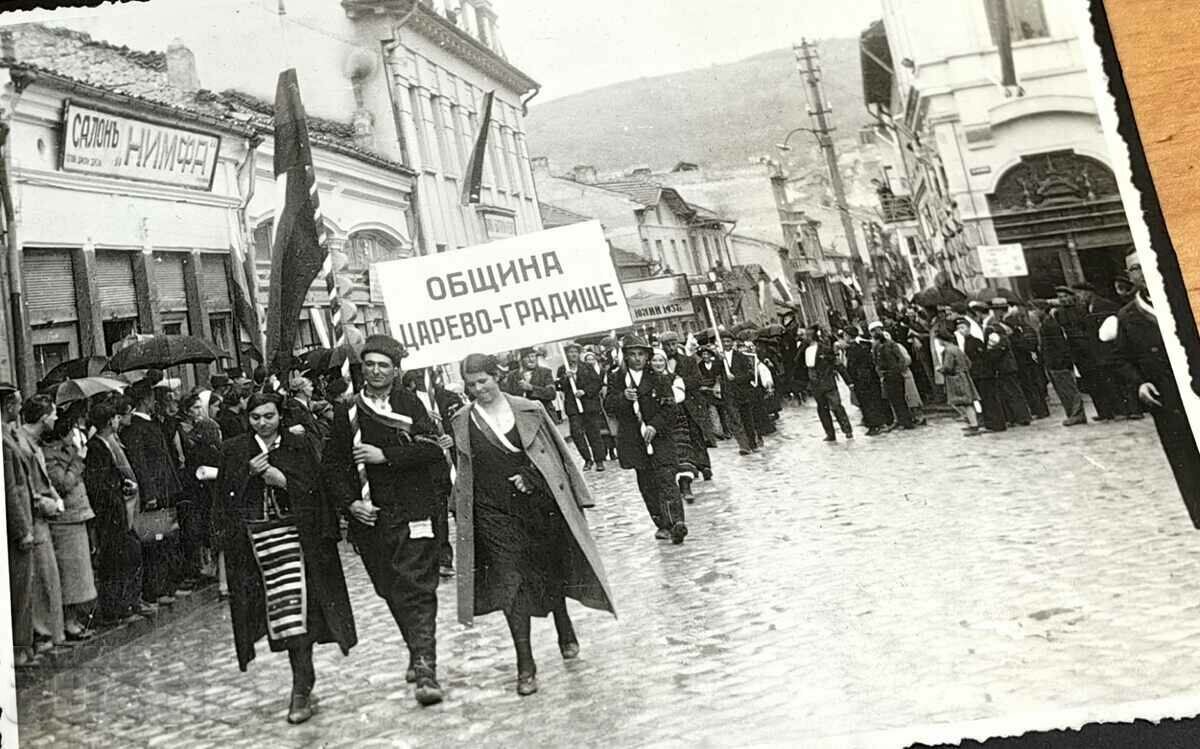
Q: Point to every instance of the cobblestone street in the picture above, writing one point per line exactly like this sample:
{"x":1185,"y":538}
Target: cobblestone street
{"x":825,"y":590}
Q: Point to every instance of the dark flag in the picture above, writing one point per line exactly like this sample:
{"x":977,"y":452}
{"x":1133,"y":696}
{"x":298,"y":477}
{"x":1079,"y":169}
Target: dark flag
{"x":473,"y":179}
{"x":299,"y":249}
{"x":1002,"y":35}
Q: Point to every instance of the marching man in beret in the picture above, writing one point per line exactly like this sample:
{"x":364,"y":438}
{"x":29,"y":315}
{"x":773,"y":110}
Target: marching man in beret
{"x":393,"y":530}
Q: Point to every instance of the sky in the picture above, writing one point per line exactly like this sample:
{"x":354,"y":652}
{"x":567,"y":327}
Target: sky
{"x":574,"y":45}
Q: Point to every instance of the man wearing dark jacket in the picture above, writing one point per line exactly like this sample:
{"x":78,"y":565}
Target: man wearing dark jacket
{"x":823,"y":369}
{"x":646,"y":415}
{"x":745,"y":394}
{"x":581,"y":388}
{"x":393,"y":529}
{"x":999,"y":354}
{"x":153,"y":462}
{"x":890,"y":363}
{"x":1141,"y":358}
{"x":1056,"y":355}
{"x":531,"y":380}
{"x":1024,"y":342}
{"x":860,"y":368}
{"x":1084,"y":314}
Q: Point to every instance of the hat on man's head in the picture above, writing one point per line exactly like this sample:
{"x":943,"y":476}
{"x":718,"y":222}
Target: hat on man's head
{"x":747,"y":335}
{"x":385,"y":345}
{"x":7,"y":388}
{"x":572,"y":346}
{"x":667,"y":337}
{"x":1063,"y":290}
{"x":1083,"y":286}
{"x":998,"y":302}
{"x":973,"y":304}
{"x":633,"y":342}
{"x":218,"y":381}
{"x":874,"y":325}
{"x":527,"y":351}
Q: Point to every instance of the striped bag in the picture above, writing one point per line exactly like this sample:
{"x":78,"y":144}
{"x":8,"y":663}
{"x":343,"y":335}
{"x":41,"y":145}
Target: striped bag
{"x":275,"y":541}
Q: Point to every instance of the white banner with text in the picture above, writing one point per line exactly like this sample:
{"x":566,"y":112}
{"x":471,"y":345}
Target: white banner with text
{"x":529,"y":289}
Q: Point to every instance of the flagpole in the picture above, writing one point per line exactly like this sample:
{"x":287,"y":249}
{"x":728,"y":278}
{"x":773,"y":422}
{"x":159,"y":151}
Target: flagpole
{"x":436,"y":416}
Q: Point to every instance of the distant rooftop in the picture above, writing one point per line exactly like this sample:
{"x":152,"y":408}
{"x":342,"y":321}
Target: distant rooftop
{"x":65,"y":58}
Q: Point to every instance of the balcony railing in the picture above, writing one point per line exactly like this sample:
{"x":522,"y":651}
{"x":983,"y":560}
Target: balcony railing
{"x":897,"y":208}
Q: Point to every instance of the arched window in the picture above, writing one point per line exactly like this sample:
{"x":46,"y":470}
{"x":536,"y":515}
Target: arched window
{"x":370,"y":246}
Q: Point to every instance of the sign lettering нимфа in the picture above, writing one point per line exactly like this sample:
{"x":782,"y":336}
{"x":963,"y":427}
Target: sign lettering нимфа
{"x":499,"y":296}
{"x":659,"y":298}
{"x":1002,"y":261}
{"x":114,"y":145}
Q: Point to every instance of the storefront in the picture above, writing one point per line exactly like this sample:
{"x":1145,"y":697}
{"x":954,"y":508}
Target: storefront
{"x":122,"y":206}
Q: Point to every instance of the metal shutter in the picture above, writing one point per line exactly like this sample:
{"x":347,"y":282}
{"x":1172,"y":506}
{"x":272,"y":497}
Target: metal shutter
{"x":49,"y":286}
{"x":172,"y":294}
{"x":114,"y":278}
{"x":214,"y":284}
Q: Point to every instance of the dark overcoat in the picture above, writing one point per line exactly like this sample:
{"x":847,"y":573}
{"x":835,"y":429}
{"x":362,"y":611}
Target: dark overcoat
{"x":239,"y":500}
{"x":585,"y":580}
{"x":657,"y":404}
{"x":587,"y":380}
{"x":1140,"y":357}
{"x":153,"y":461}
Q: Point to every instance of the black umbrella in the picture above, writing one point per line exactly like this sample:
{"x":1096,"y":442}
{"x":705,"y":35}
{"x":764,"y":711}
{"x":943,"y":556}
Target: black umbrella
{"x":938,"y":296}
{"x":163,"y":351}
{"x":316,"y":360}
{"x":87,"y":366}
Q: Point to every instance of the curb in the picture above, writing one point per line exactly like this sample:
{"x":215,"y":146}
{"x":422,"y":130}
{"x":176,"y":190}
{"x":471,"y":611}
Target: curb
{"x":63,"y":659}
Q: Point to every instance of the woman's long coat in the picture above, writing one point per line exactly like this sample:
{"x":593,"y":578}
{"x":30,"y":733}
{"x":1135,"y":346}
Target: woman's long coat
{"x":316,"y":519}
{"x":585,"y":580}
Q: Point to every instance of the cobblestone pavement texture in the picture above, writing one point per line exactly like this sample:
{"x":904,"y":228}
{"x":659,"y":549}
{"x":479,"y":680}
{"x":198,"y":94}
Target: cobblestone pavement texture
{"x":825,"y":589}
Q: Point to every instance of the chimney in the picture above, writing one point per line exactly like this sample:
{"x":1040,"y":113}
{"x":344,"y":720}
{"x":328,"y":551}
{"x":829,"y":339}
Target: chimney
{"x":541,"y":168}
{"x":585,"y":173}
{"x":181,"y":67}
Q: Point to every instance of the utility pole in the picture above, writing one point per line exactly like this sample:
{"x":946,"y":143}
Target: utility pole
{"x":809,"y":67}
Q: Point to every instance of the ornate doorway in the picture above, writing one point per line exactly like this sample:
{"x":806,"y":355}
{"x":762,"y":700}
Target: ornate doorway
{"x":1065,"y":210}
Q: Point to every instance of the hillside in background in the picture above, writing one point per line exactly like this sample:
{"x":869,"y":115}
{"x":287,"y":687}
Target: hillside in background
{"x":717,"y":116}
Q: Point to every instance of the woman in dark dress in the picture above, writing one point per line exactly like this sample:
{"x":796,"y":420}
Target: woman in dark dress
{"x":111,"y":489}
{"x":270,"y":473}
{"x":201,"y":440}
{"x":523,"y":541}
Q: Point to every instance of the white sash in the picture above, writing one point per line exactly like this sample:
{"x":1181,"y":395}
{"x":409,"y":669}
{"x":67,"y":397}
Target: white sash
{"x":491,"y":425}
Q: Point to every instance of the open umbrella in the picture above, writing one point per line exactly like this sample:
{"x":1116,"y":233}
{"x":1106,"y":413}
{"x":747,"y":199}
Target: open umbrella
{"x":87,"y":366}
{"x":939,"y":296}
{"x":163,"y":352}
{"x":86,"y":387}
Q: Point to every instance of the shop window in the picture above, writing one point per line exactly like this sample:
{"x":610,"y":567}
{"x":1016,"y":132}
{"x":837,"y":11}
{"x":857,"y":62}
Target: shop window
{"x":221,"y":327}
{"x":262,"y":242}
{"x":47,"y":356}
{"x":1026,"y":19}
{"x":117,"y":330}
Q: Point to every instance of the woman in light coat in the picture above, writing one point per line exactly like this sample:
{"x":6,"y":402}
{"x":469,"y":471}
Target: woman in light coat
{"x":522,"y":540}
{"x":65,"y":450}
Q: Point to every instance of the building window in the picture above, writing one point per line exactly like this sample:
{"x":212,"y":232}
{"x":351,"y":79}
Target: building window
{"x":262,"y":242}
{"x":645,"y":248}
{"x":440,"y":128}
{"x":422,"y":135}
{"x":658,"y":248}
{"x":47,"y":356}
{"x":1026,"y":19}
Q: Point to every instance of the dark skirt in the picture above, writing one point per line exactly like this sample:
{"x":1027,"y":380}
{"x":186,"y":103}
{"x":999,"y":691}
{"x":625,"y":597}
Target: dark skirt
{"x":520,"y":555}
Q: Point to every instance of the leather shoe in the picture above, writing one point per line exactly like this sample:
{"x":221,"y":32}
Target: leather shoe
{"x":301,"y":708}
{"x":526,"y":684}
{"x":662,"y":534}
{"x":678,"y":532}
{"x":428,"y":691}
{"x":569,"y":650}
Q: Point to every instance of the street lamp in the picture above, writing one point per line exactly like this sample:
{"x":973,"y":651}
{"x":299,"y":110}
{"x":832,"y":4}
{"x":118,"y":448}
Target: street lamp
{"x":784,"y":145}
